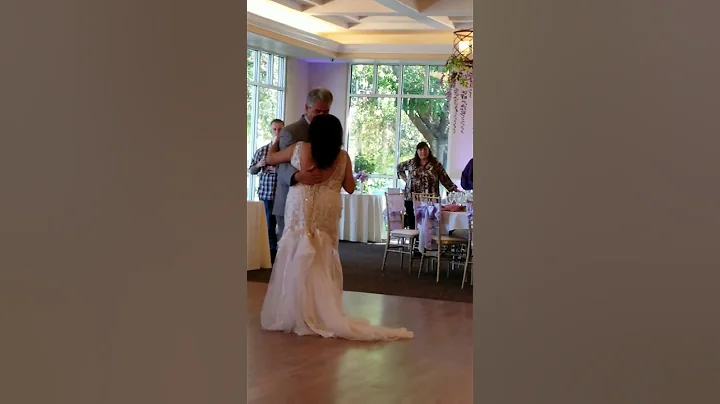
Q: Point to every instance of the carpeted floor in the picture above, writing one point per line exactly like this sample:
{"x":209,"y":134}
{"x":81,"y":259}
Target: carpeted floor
{"x":361,"y":273}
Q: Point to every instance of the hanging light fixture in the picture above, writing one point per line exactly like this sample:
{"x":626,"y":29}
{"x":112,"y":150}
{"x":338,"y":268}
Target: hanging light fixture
{"x":463,"y":45}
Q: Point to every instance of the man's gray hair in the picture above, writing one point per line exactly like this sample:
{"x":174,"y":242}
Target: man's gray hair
{"x":319,"y":94}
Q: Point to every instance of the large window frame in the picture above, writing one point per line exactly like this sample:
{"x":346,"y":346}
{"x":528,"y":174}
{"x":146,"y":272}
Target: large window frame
{"x":398,"y":96}
{"x":255,"y":84}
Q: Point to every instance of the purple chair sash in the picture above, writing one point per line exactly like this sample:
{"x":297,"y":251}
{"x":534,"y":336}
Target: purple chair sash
{"x":395,"y":219}
{"x":427,"y":210}
{"x":427,"y":216}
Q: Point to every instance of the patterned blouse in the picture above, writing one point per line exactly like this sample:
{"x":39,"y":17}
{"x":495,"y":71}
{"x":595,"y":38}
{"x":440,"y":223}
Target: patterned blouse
{"x":424,"y":179}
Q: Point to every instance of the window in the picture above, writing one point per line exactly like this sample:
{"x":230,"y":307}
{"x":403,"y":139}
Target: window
{"x":265,"y":102}
{"x":392,"y":108}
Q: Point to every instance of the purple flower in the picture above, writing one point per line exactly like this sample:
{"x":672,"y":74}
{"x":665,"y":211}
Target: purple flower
{"x":361,"y":176}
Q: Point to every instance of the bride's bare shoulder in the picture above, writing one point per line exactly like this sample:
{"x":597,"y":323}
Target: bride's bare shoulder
{"x":306,"y":154}
{"x":306,"y":148}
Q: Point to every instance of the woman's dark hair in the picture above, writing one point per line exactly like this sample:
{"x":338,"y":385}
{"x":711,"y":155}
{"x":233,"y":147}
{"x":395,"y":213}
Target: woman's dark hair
{"x":416,"y":159}
{"x":326,"y":137}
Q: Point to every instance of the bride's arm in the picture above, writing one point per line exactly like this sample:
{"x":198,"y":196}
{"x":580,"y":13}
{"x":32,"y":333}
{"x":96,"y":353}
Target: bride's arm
{"x":306,"y":160}
{"x":275,"y":156}
{"x":349,"y":180}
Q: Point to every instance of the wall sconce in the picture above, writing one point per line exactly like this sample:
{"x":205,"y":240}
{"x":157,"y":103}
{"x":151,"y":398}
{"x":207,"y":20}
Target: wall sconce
{"x":463,"y":45}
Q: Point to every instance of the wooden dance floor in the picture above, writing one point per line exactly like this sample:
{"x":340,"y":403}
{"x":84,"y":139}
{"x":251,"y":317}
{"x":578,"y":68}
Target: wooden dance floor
{"x":435,"y":367}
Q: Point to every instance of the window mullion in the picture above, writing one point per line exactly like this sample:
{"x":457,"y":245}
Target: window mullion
{"x":427,"y":80}
{"x":253,"y":140}
{"x":398,"y":123}
{"x":254,"y":85}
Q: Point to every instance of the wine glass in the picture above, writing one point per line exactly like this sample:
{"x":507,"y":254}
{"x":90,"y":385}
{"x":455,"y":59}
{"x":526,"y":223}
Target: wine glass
{"x":462,"y":198}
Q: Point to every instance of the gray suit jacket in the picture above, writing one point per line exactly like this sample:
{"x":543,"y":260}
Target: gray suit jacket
{"x":291,"y":134}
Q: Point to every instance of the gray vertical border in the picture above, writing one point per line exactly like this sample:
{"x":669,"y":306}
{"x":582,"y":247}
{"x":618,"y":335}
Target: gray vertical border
{"x":597,"y":222}
{"x":123,"y":208}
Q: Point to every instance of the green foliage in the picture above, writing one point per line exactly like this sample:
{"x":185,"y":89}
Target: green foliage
{"x":362,"y":163}
{"x":459,"y":72}
{"x":373,"y":121}
{"x":268,"y":99}
{"x":262,"y":102}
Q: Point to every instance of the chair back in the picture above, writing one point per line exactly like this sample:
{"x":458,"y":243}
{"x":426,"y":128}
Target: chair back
{"x":394,"y":211}
{"x":423,"y":199}
{"x":394,"y":191}
{"x":471,"y":226}
{"x":427,"y":215}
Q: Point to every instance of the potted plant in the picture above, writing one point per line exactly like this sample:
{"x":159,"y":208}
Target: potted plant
{"x":459,"y":76}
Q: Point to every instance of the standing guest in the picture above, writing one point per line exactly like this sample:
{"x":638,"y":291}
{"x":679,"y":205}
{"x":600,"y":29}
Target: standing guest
{"x":422,"y":174}
{"x":268,"y":182}
{"x":467,"y":176}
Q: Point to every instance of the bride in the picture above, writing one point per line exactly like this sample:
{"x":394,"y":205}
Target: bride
{"x":305,"y":291}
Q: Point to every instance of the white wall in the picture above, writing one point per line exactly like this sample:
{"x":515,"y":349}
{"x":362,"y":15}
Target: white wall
{"x":334,"y":77}
{"x":460,"y":141}
{"x":598,"y":206}
{"x":297,"y":88}
{"x":303,"y":77}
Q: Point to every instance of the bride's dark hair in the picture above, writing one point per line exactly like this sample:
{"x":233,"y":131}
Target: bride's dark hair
{"x":326,"y":136}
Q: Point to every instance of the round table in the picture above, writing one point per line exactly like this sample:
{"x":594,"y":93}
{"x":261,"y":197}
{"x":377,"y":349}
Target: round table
{"x":362,"y":218}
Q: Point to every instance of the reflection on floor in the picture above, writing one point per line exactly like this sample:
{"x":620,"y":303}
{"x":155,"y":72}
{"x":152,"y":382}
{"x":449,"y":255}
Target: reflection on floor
{"x":435,"y":367}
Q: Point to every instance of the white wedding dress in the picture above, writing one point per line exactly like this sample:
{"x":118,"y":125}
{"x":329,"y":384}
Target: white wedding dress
{"x":305,"y":291}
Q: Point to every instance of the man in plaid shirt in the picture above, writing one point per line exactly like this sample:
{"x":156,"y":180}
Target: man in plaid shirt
{"x":268,"y":180}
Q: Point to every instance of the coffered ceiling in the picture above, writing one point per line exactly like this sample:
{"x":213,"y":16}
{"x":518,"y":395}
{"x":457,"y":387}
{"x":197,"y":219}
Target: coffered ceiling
{"x":388,"y":15}
{"x":365,"y":27}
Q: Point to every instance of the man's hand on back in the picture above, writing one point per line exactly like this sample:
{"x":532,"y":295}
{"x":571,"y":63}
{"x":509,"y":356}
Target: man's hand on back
{"x":310,"y":176}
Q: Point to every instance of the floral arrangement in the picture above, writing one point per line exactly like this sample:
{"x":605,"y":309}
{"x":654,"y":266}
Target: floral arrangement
{"x":361,"y":176}
{"x":459,"y":75}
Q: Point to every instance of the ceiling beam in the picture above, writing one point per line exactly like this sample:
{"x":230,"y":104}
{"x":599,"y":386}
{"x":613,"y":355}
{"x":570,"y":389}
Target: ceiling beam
{"x":340,"y":21}
{"x":290,"y":4}
{"x":410,"y":8}
{"x":315,"y":3}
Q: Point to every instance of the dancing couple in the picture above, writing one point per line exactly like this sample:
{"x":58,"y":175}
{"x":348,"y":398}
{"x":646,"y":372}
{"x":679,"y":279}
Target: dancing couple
{"x":306,"y":285}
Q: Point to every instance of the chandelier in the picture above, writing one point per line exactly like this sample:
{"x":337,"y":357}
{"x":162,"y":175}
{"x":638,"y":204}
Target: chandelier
{"x":463,"y":46}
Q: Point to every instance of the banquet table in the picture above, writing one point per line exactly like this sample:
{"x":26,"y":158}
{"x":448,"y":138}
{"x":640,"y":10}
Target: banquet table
{"x":362,"y":218}
{"x":258,"y":245}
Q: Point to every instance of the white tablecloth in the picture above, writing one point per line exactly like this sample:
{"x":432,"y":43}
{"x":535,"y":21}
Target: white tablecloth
{"x":362,"y":219}
{"x":454,"y":221}
{"x":258,"y":245}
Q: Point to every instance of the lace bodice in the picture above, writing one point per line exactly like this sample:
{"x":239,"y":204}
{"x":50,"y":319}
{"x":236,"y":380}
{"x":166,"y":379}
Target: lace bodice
{"x":316,"y":207}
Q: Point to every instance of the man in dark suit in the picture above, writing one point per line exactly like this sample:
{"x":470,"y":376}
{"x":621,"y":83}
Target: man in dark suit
{"x":318,"y":102}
